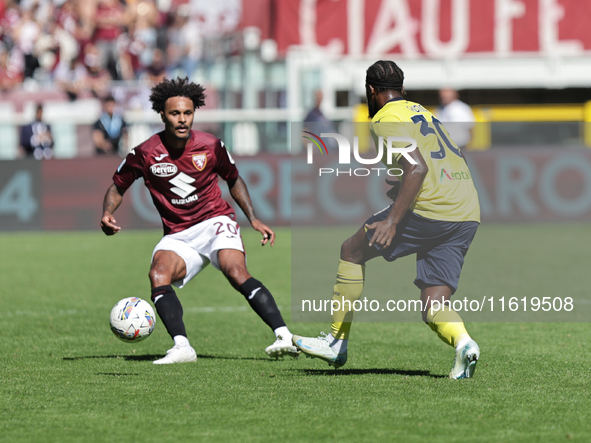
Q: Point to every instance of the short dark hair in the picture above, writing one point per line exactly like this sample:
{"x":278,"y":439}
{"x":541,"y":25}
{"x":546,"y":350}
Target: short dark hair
{"x":385,"y":75}
{"x":179,"y":87}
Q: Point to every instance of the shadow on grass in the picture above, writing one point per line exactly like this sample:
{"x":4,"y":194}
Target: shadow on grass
{"x":157,"y":356}
{"x":123,"y":357}
{"x":229,"y":357}
{"x":379,"y":371}
{"x":116,"y":374}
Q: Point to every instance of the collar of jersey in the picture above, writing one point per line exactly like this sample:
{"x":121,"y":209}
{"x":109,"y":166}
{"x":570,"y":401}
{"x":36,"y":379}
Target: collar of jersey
{"x":395,"y":99}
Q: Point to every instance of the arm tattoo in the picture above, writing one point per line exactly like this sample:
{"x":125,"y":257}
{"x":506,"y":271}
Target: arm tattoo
{"x":240,"y":195}
{"x":112,"y":199}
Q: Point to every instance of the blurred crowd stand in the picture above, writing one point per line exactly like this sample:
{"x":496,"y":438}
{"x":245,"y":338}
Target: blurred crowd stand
{"x":71,"y":54}
{"x":67,"y":40}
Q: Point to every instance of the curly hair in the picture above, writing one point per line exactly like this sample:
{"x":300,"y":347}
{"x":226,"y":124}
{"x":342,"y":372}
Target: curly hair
{"x":385,"y":75}
{"x":179,"y":87}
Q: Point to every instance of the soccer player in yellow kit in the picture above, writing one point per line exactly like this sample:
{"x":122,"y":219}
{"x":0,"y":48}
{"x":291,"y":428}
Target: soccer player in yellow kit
{"x":435,"y":215}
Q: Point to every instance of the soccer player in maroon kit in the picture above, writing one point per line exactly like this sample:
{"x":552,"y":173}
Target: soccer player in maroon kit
{"x":180,"y":167}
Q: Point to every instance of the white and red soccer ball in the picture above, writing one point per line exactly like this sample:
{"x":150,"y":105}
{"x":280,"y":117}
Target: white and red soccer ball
{"x":132,"y":319}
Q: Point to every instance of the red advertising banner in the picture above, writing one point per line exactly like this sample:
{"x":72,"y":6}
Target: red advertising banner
{"x":514,"y":185}
{"x":68,"y":194}
{"x":435,"y":28}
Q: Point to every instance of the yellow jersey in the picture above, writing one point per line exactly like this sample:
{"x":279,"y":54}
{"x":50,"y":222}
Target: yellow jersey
{"x":448,"y":192}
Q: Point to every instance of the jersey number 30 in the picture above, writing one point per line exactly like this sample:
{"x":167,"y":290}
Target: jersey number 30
{"x":442,"y":139}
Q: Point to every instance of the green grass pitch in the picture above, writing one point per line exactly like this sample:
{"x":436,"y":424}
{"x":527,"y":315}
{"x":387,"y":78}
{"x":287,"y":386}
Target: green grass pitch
{"x":65,"y":378}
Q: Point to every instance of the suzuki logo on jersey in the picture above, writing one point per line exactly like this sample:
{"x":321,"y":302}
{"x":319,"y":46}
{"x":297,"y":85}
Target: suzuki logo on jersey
{"x":200,"y":160}
{"x":183,"y":188}
{"x":163,"y":169}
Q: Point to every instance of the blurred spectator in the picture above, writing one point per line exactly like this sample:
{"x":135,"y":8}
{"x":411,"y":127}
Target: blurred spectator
{"x":36,"y":139}
{"x":9,"y":22}
{"x":26,"y":34}
{"x":67,"y":31}
{"x":109,"y":133}
{"x":458,"y":116}
{"x":67,"y":18}
{"x":95,"y":77}
{"x":84,"y":12}
{"x":69,"y":76}
{"x":42,"y":9}
{"x":184,"y":43}
{"x":318,"y":123}
{"x":144,"y":20}
{"x":47,"y":48}
{"x":157,"y":69}
{"x":110,"y":19}
{"x":11,"y":73}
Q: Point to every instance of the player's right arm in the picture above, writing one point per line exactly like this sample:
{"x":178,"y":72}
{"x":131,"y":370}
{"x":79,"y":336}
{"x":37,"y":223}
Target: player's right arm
{"x":128,"y":171}
{"x":112,"y":200}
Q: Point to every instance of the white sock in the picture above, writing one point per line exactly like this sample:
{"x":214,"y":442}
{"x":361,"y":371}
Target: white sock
{"x":181,"y":340}
{"x":340,"y":346}
{"x":283,"y":332}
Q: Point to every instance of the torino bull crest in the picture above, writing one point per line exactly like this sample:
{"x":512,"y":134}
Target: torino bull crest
{"x":200,"y":160}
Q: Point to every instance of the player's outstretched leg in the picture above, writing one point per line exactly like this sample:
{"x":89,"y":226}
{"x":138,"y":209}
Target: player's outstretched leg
{"x":233,"y":265}
{"x":332,"y":348}
{"x":450,"y":328}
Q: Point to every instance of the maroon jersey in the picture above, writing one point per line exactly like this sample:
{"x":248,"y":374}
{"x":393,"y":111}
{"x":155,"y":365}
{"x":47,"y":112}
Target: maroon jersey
{"x":183,"y":183}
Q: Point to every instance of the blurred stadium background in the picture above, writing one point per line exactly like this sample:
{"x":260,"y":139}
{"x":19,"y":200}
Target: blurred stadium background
{"x":524,"y":66}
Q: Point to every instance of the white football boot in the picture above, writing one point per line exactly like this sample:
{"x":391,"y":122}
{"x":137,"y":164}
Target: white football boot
{"x":320,"y":348}
{"x":178,"y":354}
{"x":465,"y":362}
{"x":282,"y":347}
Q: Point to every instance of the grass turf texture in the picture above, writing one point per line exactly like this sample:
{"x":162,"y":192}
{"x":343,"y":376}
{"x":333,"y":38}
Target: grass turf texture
{"x":64,"y":376}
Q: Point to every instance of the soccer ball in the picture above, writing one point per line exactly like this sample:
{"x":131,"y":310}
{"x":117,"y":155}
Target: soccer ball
{"x":132,"y":319}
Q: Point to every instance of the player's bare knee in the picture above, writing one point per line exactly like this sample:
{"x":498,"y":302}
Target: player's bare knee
{"x":350,"y":252}
{"x":159,"y":276}
{"x":236,"y":275}
{"x":347,"y":250}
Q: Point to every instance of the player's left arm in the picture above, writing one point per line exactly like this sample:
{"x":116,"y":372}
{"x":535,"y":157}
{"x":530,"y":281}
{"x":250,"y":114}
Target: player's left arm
{"x":412,"y":180}
{"x":239,"y":193}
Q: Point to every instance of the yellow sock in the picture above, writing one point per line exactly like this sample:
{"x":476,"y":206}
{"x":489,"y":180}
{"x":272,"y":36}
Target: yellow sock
{"x":448,"y":325}
{"x":350,"y":278}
